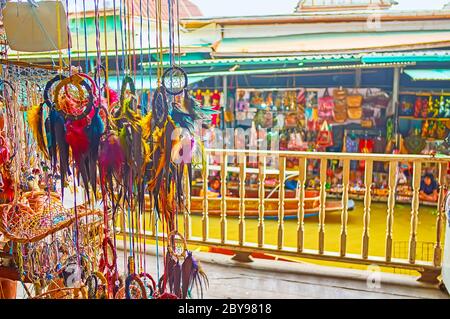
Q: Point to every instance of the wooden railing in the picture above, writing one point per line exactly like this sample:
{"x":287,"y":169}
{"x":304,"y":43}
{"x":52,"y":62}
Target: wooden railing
{"x":236,"y":161}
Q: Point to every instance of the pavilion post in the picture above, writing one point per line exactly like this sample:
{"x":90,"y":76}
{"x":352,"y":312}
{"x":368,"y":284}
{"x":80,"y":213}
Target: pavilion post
{"x":225,"y":100}
{"x":395,"y":102}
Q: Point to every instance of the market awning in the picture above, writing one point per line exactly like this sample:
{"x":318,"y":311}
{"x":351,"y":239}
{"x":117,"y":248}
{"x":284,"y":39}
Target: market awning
{"x":333,"y":42}
{"x":143,"y":83}
{"x":429,"y":74}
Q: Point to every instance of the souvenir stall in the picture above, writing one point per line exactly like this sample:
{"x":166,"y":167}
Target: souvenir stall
{"x":79,"y":159}
{"x":347,"y":120}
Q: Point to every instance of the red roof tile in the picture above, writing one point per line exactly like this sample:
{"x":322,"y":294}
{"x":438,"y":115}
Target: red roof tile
{"x":187,"y":8}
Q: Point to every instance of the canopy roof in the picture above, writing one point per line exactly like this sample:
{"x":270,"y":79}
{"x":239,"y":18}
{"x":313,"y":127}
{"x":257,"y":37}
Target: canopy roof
{"x":429,"y":74}
{"x":348,"y":42}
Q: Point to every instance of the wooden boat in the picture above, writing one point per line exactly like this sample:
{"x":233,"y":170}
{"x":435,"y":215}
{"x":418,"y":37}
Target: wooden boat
{"x":271,"y":203}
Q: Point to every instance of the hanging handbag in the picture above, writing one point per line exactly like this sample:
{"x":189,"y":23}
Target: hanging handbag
{"x":268,"y":119}
{"x":367,"y":123}
{"x":291,"y":119}
{"x":377,"y":99}
{"x":340,"y":105}
{"x":340,"y":117}
{"x":354,"y":100}
{"x":326,"y":106}
{"x":354,"y":106}
{"x":340,"y":94}
{"x":418,"y":107}
{"x":325,"y":136}
{"x":301,"y":97}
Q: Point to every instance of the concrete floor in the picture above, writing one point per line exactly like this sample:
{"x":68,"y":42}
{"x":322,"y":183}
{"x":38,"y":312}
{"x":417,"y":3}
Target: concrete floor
{"x":268,"y":279}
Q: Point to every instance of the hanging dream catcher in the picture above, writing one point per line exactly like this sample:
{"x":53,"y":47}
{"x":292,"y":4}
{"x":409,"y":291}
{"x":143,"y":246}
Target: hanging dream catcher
{"x":175,"y":80}
{"x":160,"y":107}
{"x":82,"y":107}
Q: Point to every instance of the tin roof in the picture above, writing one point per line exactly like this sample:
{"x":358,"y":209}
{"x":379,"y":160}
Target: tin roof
{"x":322,"y":43}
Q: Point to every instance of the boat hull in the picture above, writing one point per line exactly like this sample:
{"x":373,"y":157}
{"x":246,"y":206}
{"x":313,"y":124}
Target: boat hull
{"x":270,"y":208}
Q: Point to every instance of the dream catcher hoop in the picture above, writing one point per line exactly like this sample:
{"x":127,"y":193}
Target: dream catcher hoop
{"x":48,"y":87}
{"x":128,"y":82}
{"x":160,"y":108}
{"x":177,"y":245}
{"x":74,"y":111}
{"x":134,"y":288}
{"x":174,"y":80}
{"x":149,"y":283}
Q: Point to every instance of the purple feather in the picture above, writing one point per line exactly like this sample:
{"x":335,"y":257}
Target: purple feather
{"x":192,"y":274}
{"x":177,"y":280}
{"x":111,"y":156}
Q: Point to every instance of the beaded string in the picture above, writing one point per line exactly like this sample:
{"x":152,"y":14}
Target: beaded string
{"x":86,"y":59}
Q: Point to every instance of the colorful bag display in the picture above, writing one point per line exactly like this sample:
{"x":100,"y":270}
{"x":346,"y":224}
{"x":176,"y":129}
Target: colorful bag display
{"x":325,"y":136}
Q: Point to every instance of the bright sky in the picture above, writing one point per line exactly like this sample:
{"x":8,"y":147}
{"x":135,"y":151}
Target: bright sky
{"x":262,"y":7}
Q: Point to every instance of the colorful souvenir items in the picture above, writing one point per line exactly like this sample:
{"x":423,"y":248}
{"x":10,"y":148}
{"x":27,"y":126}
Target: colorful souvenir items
{"x":441,"y":130}
{"x":407,"y":107}
{"x":414,"y":143}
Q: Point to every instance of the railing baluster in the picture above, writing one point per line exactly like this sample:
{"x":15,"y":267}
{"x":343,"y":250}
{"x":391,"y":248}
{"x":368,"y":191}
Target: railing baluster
{"x":390,"y":209}
{"x":344,"y":216}
{"x":323,"y":199}
{"x":281,"y":203}
{"x":437,"y":256}
{"x":205,"y":228}
{"x":368,"y":174}
{"x":417,"y":174}
{"x":223,"y":194}
{"x":301,"y":203}
{"x":242,"y":173}
{"x":187,"y":211}
{"x":261,"y":197}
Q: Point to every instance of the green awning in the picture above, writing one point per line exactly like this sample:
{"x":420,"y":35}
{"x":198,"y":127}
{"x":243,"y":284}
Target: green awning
{"x":410,"y":56}
{"x":143,"y":83}
{"x":429,"y":74}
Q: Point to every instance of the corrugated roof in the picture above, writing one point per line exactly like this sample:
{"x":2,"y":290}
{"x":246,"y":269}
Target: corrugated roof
{"x":415,"y":56}
{"x":266,"y":60}
{"x":429,"y":74}
{"x":333,"y":42}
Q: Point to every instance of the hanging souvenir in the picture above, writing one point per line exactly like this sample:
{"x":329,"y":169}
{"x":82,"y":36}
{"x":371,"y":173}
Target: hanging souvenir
{"x":354,"y":105}
{"x":414,"y":143}
{"x":325,"y":136}
{"x":326,"y":106}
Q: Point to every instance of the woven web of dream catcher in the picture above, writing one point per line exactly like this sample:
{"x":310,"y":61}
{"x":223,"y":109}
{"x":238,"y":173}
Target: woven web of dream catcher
{"x":26,"y":78}
{"x":35,"y":217}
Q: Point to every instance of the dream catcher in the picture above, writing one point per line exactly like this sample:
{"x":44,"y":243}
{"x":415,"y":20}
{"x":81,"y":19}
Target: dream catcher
{"x":175,"y":80}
